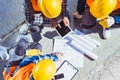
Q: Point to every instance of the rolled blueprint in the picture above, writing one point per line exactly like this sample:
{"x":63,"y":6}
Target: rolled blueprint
{"x":83,"y":39}
{"x":88,"y":47}
{"x":86,"y":52}
{"x":88,"y":37}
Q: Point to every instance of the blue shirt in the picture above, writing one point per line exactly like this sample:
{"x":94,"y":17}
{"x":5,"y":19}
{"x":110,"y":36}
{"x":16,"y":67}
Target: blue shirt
{"x":36,"y":59}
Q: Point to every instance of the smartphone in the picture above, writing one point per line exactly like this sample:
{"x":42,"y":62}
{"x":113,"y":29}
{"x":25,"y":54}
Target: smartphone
{"x":64,"y":30}
{"x":59,"y":76}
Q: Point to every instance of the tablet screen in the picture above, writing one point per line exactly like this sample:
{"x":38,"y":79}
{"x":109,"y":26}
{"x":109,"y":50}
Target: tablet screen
{"x":63,"y":30}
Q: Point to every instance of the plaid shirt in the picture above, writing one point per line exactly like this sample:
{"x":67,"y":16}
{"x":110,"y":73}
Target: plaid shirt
{"x":29,"y":12}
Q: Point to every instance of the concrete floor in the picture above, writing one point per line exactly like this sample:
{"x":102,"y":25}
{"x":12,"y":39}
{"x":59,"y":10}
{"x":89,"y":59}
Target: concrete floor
{"x":106,"y":67}
{"x":11,"y":15}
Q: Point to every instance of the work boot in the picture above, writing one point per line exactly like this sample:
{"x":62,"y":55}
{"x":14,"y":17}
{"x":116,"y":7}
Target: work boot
{"x":3,"y":53}
{"x":24,"y":29}
{"x":76,"y":15}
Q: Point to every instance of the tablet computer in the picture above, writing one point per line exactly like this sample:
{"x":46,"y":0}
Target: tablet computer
{"x":63,"y":30}
{"x":66,"y":71}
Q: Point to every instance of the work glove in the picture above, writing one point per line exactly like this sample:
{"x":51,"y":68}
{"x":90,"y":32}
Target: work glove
{"x":38,"y":19}
{"x":106,"y":22}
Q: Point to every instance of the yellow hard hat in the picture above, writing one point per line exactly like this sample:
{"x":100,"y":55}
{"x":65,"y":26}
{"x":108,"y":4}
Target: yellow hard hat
{"x":50,"y":8}
{"x":33,"y":52}
{"x":44,"y":70}
{"x":102,"y":8}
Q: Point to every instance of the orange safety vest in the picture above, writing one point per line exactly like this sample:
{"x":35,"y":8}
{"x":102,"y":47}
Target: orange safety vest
{"x":118,"y":5}
{"x":89,"y":2}
{"x":34,"y":5}
{"x":22,"y":74}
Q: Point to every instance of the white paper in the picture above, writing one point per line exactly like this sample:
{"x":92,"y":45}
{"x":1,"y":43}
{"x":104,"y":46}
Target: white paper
{"x":75,"y":57}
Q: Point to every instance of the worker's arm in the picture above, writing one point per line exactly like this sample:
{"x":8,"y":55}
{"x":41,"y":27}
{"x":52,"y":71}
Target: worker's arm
{"x":65,"y":13}
{"x":28,"y":11}
{"x":117,"y":19}
{"x":36,"y":59}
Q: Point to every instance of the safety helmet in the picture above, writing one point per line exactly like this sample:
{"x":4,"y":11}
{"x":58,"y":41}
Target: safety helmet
{"x":101,"y":8}
{"x":44,"y":70}
{"x":50,"y":8}
{"x":89,"y":2}
{"x":33,"y":52}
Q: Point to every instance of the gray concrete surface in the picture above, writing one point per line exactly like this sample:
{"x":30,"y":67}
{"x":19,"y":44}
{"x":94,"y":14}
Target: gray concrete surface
{"x":106,"y":67}
{"x":11,"y":15}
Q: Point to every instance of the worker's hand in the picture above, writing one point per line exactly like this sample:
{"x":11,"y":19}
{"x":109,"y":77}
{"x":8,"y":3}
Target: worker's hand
{"x":107,"y":22}
{"x":66,"y":21}
{"x":53,"y":23}
{"x":59,"y":55}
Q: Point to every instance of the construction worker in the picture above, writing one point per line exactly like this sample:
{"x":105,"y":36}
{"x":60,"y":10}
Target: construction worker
{"x":101,"y":11}
{"x":25,"y":53}
{"x":37,"y":67}
{"x":18,"y":51}
{"x":39,"y":12}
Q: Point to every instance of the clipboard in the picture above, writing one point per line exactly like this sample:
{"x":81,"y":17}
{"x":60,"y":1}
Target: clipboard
{"x":66,"y":71}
